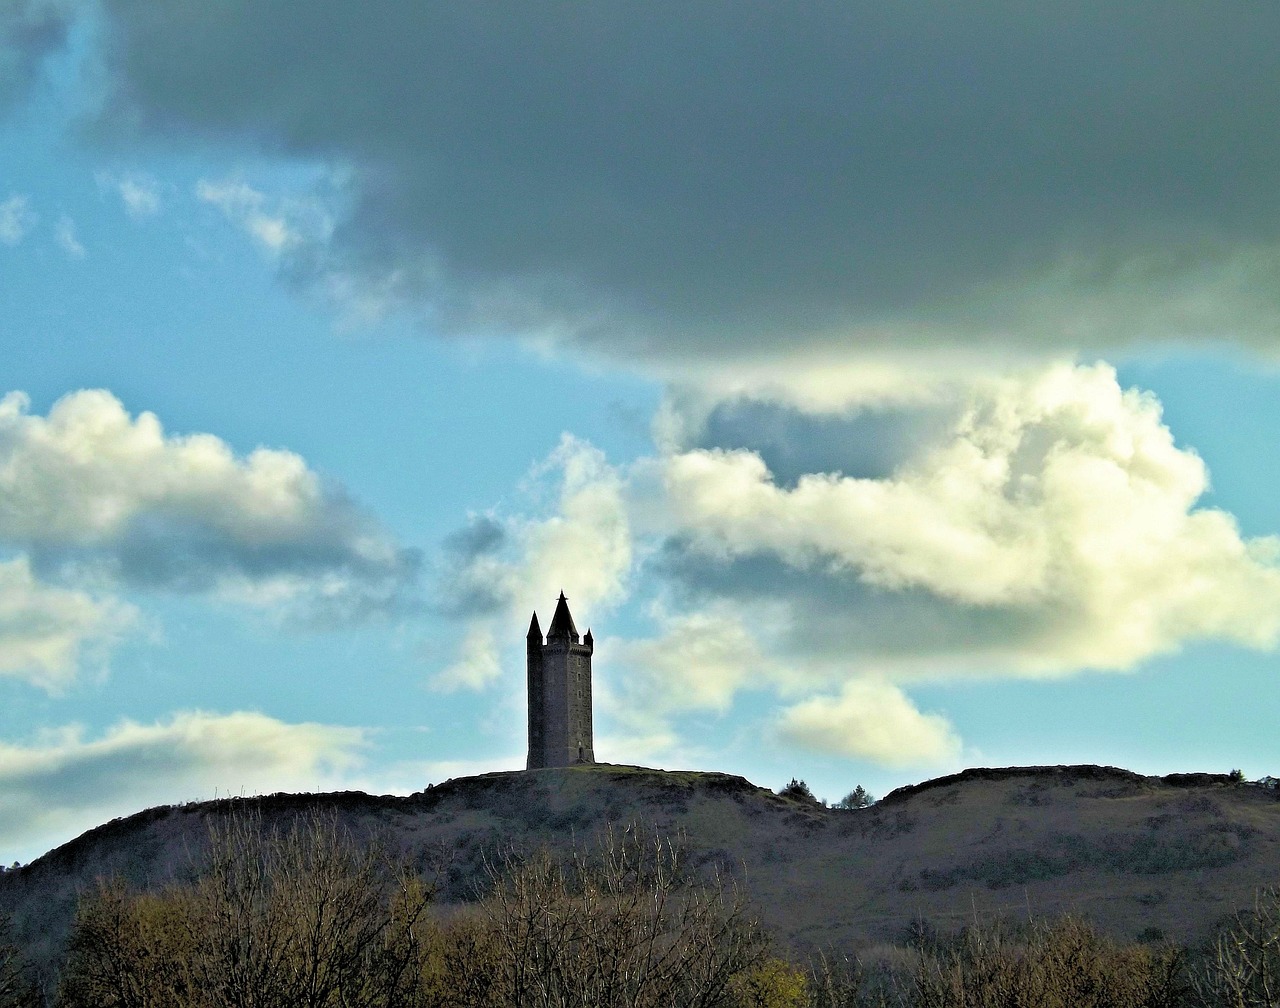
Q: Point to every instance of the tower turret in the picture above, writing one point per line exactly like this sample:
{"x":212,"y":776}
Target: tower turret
{"x":559,"y":681}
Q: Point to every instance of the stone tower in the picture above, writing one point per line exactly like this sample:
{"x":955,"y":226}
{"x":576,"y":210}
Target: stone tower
{"x":559,"y":692}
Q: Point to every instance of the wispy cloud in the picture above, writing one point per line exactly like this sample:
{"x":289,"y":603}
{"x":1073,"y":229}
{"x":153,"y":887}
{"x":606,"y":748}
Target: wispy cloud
{"x":29,"y":31}
{"x":277,"y":226}
{"x":65,"y":235}
{"x":139,"y":192}
{"x":16,"y":219}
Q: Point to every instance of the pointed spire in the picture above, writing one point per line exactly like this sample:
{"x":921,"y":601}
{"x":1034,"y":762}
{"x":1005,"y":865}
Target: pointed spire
{"x":562,"y":627}
{"x":535,"y":631}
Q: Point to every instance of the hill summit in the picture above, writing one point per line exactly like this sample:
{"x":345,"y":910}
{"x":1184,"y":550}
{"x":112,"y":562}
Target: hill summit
{"x":1142,"y":857}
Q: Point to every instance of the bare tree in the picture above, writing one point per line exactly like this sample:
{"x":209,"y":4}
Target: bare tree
{"x":1060,"y":964}
{"x":16,"y":987}
{"x":1243,"y":970}
{"x":303,"y":918}
{"x":621,"y":926}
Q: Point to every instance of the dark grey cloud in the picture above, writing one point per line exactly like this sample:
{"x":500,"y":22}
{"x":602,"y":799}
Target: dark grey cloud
{"x":467,"y":588}
{"x":868,"y":444}
{"x":29,"y":31}
{"x":836,"y":616}
{"x":720,"y":178}
{"x":320,"y":575}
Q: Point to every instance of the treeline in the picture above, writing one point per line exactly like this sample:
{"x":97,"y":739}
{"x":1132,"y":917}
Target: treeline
{"x":307,"y":918}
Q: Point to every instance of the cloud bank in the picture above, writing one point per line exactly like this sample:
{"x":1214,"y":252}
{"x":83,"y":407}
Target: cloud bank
{"x":1051,"y":526}
{"x":1031,"y":524}
{"x":670,"y":183}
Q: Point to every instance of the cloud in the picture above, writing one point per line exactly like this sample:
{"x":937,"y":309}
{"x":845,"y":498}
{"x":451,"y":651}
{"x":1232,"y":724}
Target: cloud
{"x":91,"y":492}
{"x":66,"y":782}
{"x":870,"y":719}
{"x":30,"y":30}
{"x":478,"y":663}
{"x":278,"y":227}
{"x":65,"y":235}
{"x":45,"y":631}
{"x":716,"y":184}
{"x":1051,"y":526}
{"x":498,"y":571}
{"x":698,"y":661}
{"x":16,"y":219}
{"x":702,"y":659}
{"x":825,"y":556}
{"x":138,"y":192}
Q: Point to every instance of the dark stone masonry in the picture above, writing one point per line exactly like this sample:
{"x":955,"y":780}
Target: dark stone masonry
{"x":559,"y":693}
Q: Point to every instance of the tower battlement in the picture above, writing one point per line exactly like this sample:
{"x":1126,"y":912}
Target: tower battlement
{"x":559,"y":680}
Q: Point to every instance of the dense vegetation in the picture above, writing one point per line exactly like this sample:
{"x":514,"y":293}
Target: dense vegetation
{"x":306,"y":918}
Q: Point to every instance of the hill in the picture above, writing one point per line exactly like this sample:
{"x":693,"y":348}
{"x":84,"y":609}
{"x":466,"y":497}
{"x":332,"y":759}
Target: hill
{"x":1145,"y":857}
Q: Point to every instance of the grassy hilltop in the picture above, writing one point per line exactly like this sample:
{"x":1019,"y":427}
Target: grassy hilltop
{"x":1140,"y":857}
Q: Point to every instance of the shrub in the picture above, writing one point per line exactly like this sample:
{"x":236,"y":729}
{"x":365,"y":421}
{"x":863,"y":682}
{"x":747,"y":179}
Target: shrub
{"x":856,"y":799}
{"x":1061,"y":964}
{"x":798,"y":790}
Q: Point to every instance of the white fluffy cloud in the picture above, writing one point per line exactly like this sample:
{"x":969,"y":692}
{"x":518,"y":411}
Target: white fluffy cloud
{"x":45,"y":631}
{"x":505,"y":570}
{"x":67,"y":782}
{"x":1057,"y":499}
{"x":1035,"y":524}
{"x":871,"y":719}
{"x":697,"y":661}
{"x":90,"y":491}
{"x":702,"y":660}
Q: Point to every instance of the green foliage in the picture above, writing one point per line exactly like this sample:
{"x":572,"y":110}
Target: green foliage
{"x":771,"y":983}
{"x":856,"y":799}
{"x":1236,"y":776}
{"x":798,"y":790}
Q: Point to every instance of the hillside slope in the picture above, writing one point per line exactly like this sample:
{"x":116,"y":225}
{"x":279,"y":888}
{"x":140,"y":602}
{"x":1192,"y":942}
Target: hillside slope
{"x":1140,"y":856}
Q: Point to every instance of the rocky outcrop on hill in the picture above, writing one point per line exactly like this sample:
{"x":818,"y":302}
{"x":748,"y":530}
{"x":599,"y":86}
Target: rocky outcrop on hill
{"x":1141,"y":856}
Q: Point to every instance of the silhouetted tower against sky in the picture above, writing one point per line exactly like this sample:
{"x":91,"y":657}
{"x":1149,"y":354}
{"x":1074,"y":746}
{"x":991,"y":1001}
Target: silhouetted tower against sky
{"x":559,"y":692}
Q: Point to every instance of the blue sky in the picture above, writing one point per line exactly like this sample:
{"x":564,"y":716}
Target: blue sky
{"x":889,"y":392}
